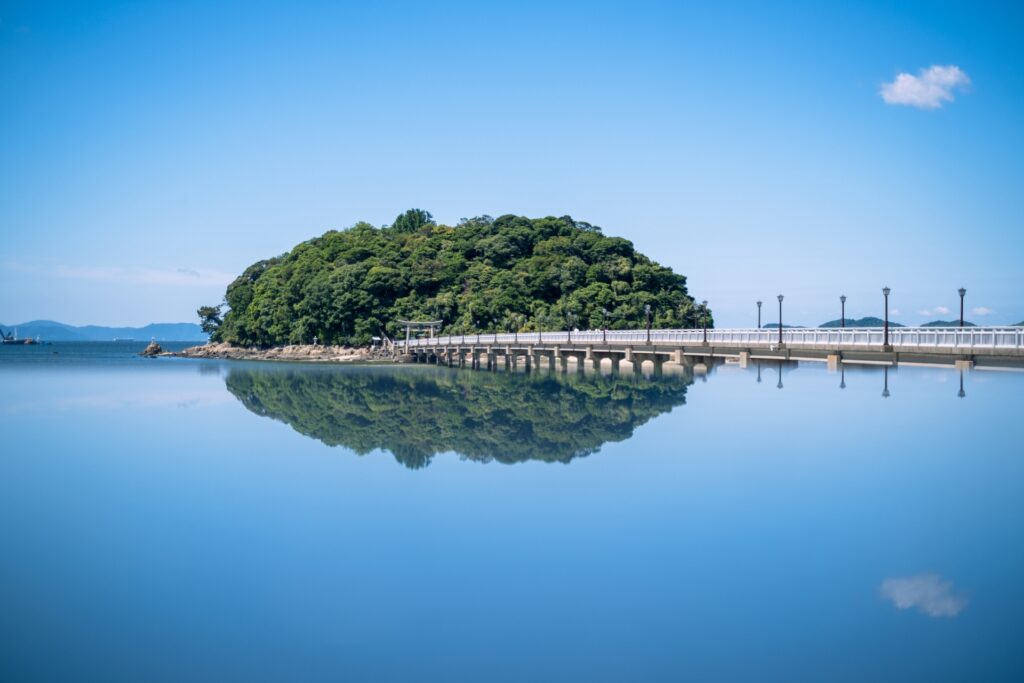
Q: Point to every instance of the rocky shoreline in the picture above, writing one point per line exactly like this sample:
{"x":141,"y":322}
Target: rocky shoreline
{"x":297,"y":352}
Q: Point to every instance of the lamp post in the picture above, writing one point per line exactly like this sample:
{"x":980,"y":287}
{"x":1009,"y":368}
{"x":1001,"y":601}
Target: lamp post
{"x":604,"y":325}
{"x":962,"y":291}
{"x":647,"y":313}
{"x":780,"y":322}
{"x":758,"y":315}
{"x":842,"y":316}
{"x":568,"y":320}
{"x":961,"y":393}
{"x":885,"y":344}
{"x":779,"y":385}
{"x":704,"y":319}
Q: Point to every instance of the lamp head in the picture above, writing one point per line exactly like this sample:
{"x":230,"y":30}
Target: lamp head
{"x":843,"y":298}
{"x":885,"y":291}
{"x":647,"y":308}
{"x":704,"y":303}
{"x":780,"y":298}
{"x":759,"y":304}
{"x":962,"y":291}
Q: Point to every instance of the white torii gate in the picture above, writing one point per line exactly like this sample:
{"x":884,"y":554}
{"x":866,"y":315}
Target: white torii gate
{"x":419,"y":325}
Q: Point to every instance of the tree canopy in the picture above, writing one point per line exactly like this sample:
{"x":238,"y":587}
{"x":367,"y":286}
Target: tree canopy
{"x":484,"y":274}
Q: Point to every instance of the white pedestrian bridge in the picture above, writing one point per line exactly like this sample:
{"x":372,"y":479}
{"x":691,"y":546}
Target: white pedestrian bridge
{"x":933,"y":345}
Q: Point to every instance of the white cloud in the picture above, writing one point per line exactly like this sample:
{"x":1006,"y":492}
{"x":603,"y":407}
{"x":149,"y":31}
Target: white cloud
{"x":941,"y":309}
{"x":981,"y":310}
{"x":928,"y":593}
{"x":894,"y":311}
{"x":924,"y":311}
{"x":179,"y":277}
{"x":928,"y":90}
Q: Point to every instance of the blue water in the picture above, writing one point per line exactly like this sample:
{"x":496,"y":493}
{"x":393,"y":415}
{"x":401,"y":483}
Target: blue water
{"x":170,"y":520}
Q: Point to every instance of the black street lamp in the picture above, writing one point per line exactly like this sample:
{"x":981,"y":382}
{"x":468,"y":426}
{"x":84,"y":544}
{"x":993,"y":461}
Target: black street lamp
{"x":604,"y":325}
{"x":780,"y":321}
{"x":647,"y":313}
{"x":842,"y":317}
{"x":961,"y":393}
{"x":758,"y":315}
{"x":885,"y":345}
{"x":568,"y":324}
{"x":962,"y":291}
{"x":704,"y":319}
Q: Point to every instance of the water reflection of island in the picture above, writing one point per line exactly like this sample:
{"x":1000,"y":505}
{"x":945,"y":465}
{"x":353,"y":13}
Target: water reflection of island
{"x":416,"y":413}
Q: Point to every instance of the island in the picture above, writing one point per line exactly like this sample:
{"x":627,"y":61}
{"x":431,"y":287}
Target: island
{"x":344,"y":288}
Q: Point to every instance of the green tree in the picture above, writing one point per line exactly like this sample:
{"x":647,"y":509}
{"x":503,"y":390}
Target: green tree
{"x":209,"y":318}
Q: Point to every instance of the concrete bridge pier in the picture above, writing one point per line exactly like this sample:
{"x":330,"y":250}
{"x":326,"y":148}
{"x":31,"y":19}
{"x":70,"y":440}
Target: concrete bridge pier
{"x":833,"y":360}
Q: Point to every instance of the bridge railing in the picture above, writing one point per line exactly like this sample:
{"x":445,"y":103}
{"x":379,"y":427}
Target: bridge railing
{"x":943,"y":338}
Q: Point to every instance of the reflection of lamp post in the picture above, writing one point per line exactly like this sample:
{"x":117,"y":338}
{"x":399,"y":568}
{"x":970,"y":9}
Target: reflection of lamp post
{"x":842,"y":317}
{"x":758,"y":372}
{"x":885,"y":345}
{"x":647,"y":313}
{"x":961,"y":393}
{"x":779,"y":385}
{"x":604,"y":325}
{"x":885,"y":389}
{"x":780,"y":320}
{"x":758,"y":315}
{"x":842,"y":376}
{"x":962,"y":291}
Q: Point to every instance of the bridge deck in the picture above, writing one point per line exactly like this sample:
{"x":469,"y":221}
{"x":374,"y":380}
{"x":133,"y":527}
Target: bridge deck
{"x":995,"y":345}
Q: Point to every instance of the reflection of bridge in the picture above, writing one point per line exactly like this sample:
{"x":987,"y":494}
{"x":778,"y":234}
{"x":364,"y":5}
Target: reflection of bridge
{"x":962,"y":347}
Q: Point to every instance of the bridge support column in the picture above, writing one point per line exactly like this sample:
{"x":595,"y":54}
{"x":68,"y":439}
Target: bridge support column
{"x":563,"y":363}
{"x":833,"y":360}
{"x":744,"y":358}
{"x":615,"y":363}
{"x":964,"y":364}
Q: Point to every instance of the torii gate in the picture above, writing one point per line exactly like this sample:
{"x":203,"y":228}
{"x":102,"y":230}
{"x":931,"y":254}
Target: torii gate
{"x":419,"y":325}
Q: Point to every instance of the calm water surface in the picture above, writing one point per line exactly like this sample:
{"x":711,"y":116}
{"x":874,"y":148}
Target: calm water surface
{"x":170,"y":520}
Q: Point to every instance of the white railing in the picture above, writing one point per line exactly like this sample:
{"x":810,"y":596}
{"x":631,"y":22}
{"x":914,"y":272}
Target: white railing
{"x":940,"y":338}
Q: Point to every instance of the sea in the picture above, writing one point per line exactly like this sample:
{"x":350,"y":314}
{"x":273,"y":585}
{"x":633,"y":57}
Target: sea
{"x":171,"y":519}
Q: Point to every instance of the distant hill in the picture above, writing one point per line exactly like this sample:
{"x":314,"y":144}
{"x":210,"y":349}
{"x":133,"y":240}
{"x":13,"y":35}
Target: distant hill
{"x":869,"y":321}
{"x":49,"y":330}
{"x":948,"y":323}
{"x":775,"y":326}
{"x":1020,"y":324}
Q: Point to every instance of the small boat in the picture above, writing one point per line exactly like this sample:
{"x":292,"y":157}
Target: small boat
{"x":13,"y":339}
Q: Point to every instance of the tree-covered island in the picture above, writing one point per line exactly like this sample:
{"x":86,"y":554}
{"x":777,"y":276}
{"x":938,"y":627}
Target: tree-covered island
{"x":484,"y":274}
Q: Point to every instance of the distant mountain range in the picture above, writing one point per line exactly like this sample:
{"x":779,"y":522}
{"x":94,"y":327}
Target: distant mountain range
{"x":48,"y":330}
{"x":948,"y":323}
{"x":869,"y":321}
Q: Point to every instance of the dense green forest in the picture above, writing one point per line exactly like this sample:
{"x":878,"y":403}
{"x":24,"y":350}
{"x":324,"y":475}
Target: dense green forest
{"x":483,"y":274}
{"x":418,"y":412}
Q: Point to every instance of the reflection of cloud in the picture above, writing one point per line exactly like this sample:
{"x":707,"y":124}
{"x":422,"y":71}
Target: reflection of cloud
{"x":928,"y":90}
{"x":926,"y":592}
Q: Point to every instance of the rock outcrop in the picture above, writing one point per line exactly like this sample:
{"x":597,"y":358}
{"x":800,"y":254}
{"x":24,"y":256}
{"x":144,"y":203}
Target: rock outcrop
{"x":153,"y":349}
{"x":296,"y":352}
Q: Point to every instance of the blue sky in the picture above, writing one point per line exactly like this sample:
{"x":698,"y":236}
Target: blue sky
{"x":150,"y":151}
